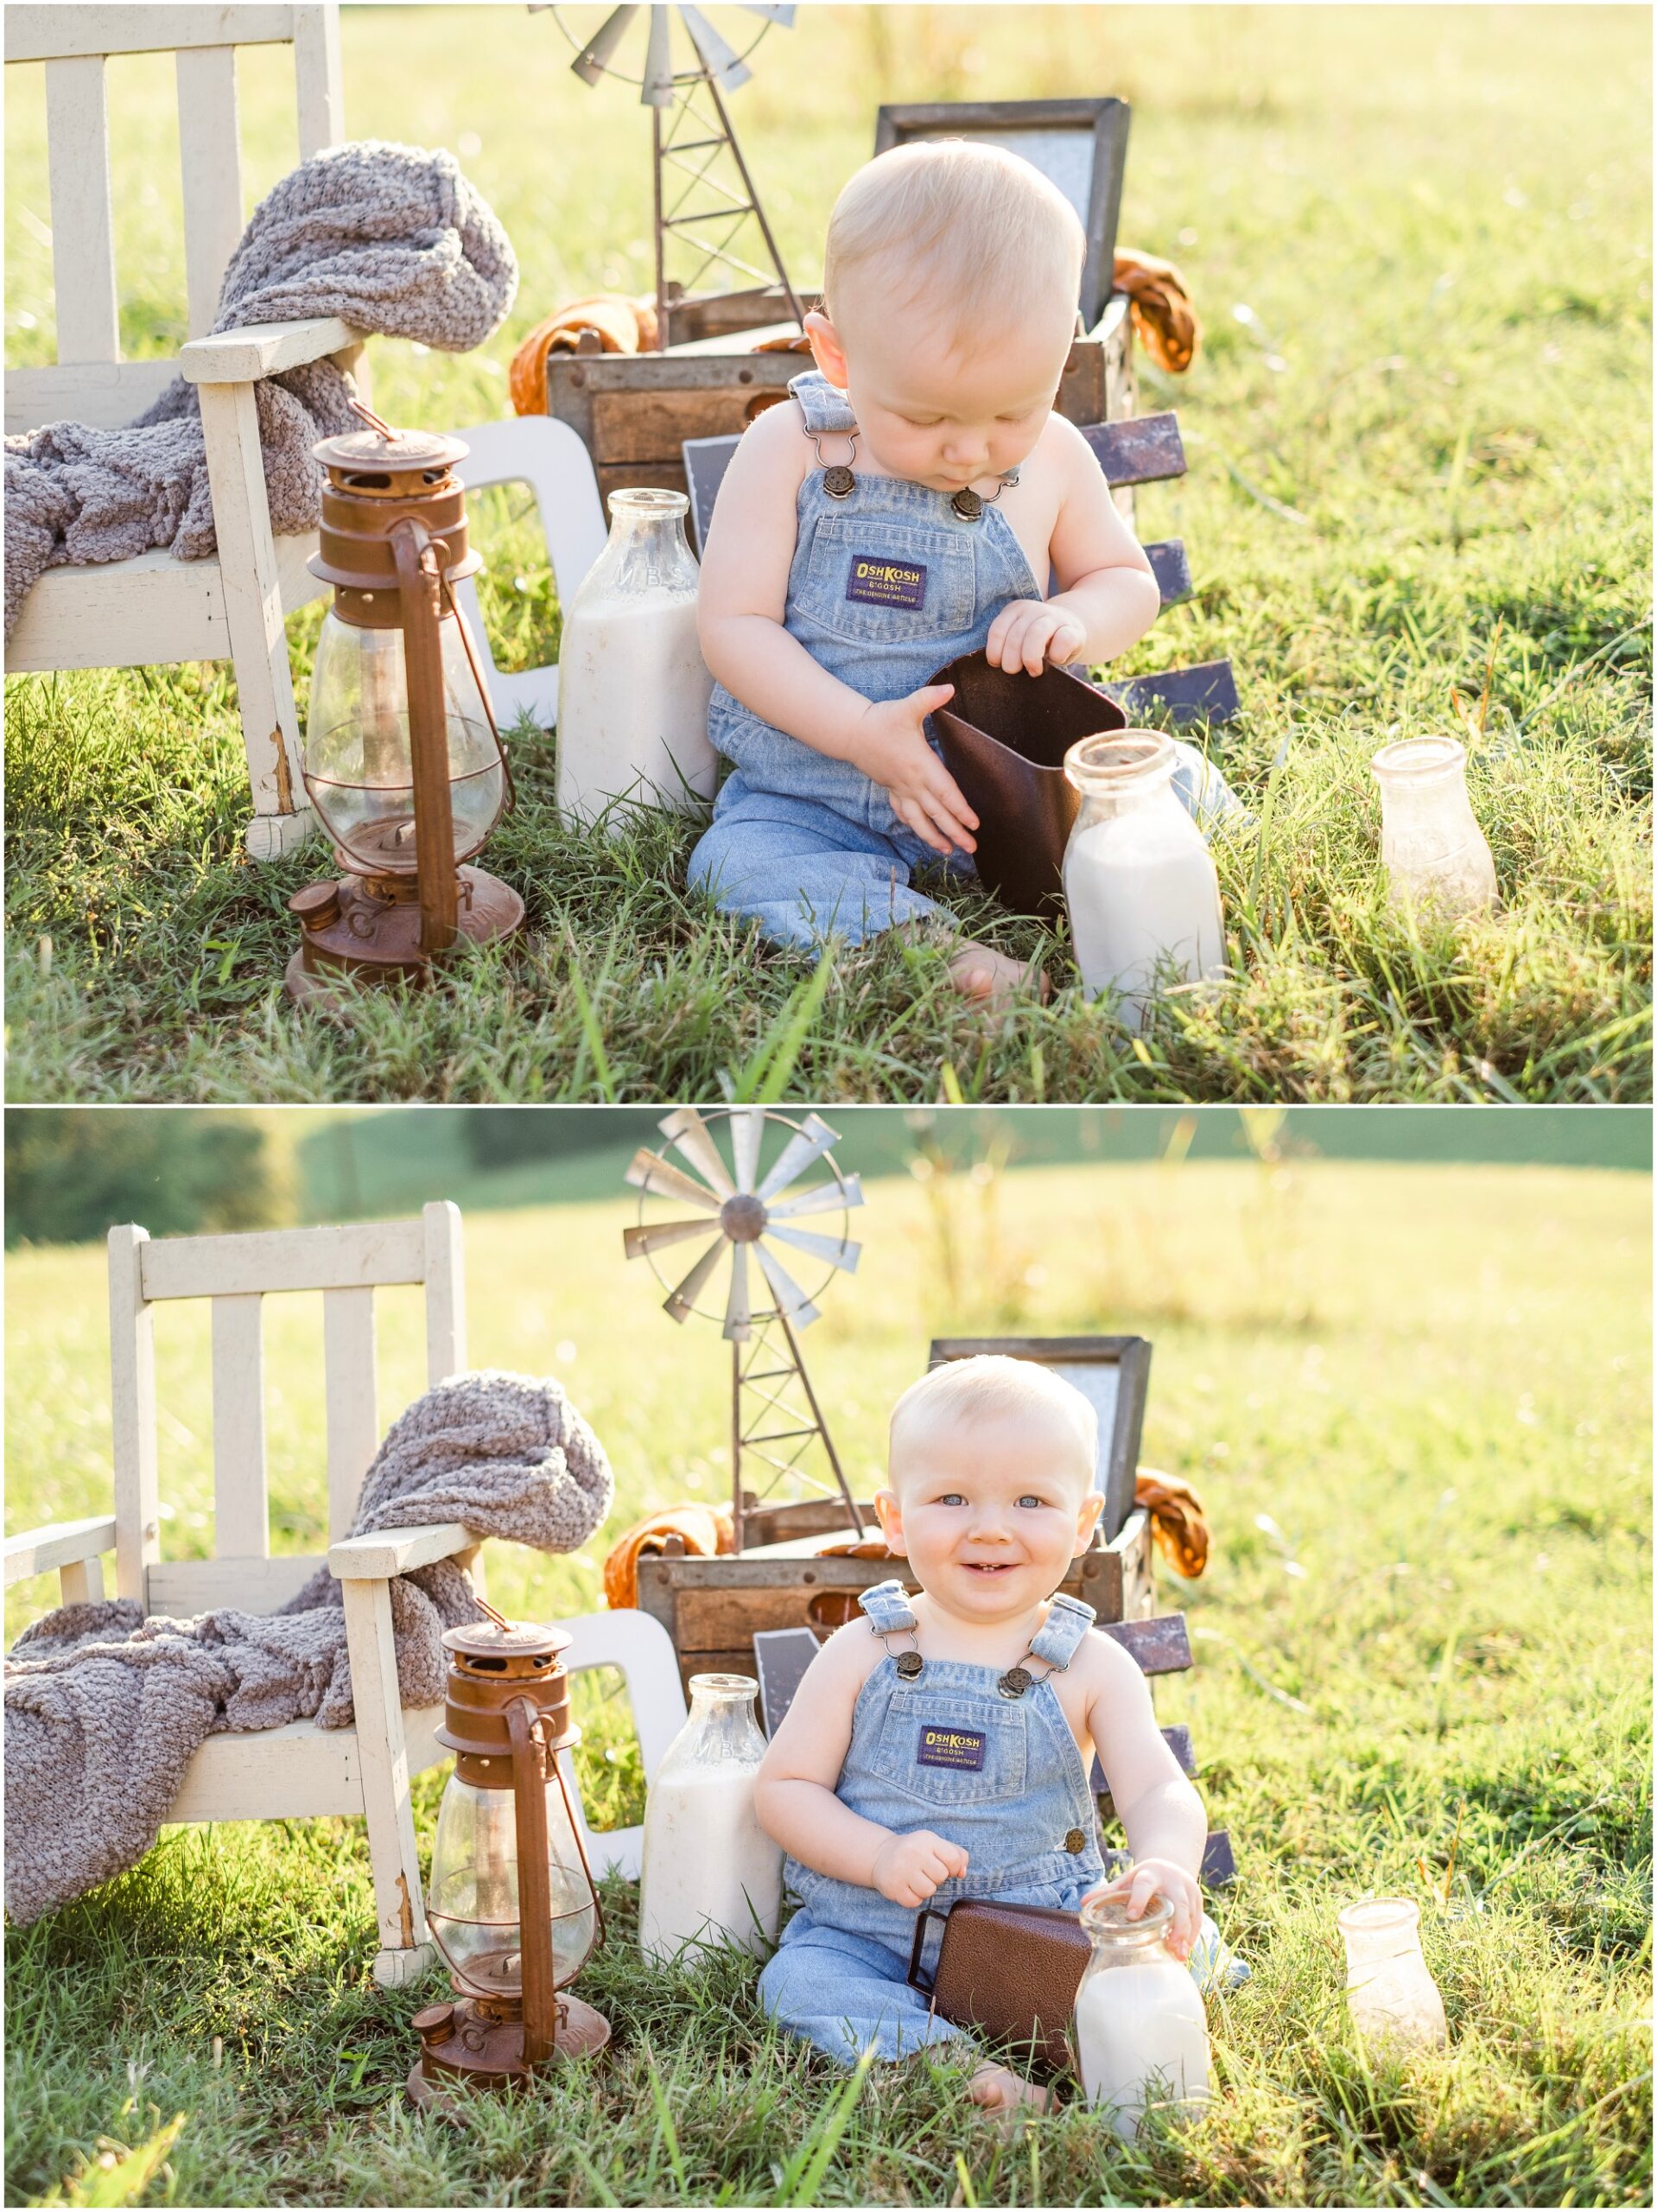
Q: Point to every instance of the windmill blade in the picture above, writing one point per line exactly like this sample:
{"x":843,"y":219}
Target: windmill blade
{"x":646,"y":1172}
{"x":657,"y":91}
{"x":721,"y":61}
{"x":685,"y":1129}
{"x":747,"y":1135}
{"x":824,"y":1199}
{"x":639,"y":1242}
{"x":681,"y":1302}
{"x":838,"y":1251}
{"x":814,"y":1139}
{"x":738,"y":1315}
{"x":790,"y":1299}
{"x":593,"y":60}
{"x":782,"y":17}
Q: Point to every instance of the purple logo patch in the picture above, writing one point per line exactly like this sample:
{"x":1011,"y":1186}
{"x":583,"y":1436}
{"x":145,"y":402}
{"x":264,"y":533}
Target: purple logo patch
{"x":886,"y":583}
{"x":959,"y":1747}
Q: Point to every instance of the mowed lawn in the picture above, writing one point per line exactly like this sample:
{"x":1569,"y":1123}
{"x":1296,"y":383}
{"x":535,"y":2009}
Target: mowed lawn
{"x":1415,"y":1401}
{"x":1418,"y":500}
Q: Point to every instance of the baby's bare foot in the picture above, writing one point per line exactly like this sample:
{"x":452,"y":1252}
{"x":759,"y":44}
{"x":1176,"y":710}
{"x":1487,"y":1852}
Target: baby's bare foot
{"x":999,"y":2089}
{"x":990,"y":978}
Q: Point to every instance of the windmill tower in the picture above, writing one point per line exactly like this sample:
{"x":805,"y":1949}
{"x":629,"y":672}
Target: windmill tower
{"x":780,"y":1442}
{"x":704,"y":195}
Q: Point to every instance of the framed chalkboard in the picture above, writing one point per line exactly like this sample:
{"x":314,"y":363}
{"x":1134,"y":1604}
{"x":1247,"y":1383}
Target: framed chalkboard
{"x":1079,"y":145}
{"x":1114,"y":1375}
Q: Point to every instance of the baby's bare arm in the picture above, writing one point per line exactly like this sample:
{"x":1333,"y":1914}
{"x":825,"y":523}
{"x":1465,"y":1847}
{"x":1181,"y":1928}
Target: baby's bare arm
{"x":794,"y":1796}
{"x":1161,"y":1813}
{"x":1103,"y":578}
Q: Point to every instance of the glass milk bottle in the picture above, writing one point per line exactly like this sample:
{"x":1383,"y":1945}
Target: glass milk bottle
{"x":1139,"y":881}
{"x":1389,"y":1993}
{"x":633,"y":690}
{"x":1431,"y":846}
{"x":710,"y":1871}
{"x":1140,"y":2033}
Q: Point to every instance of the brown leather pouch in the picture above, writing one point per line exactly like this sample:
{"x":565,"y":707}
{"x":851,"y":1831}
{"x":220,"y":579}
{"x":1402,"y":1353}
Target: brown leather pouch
{"x":1010,"y":1971}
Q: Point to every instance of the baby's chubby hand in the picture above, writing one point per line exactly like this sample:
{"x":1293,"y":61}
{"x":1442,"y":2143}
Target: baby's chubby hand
{"x":1159,"y":1877}
{"x":892,"y":749}
{"x":908,"y":1868}
{"x":1028,"y":632}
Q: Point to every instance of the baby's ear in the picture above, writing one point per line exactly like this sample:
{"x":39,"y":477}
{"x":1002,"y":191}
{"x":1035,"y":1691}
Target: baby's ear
{"x":826,"y":348}
{"x":1087,"y":1519}
{"x":891,"y":1520}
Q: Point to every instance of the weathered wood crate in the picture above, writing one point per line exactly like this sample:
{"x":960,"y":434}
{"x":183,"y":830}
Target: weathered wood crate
{"x":633,"y":411}
{"x":712,"y":1607}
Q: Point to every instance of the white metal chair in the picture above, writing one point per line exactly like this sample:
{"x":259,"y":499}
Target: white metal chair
{"x":298,"y":1772}
{"x":153,"y":608}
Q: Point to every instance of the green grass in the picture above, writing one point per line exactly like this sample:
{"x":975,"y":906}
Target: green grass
{"x":1426,"y":1387}
{"x":1420,"y":447}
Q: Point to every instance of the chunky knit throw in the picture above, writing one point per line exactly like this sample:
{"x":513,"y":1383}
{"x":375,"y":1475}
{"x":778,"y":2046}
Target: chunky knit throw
{"x":105,"y":1708}
{"x":389,"y":238}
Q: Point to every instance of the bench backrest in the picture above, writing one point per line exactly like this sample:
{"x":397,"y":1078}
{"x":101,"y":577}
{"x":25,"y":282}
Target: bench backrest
{"x":236,"y":1272}
{"x":91,"y":384}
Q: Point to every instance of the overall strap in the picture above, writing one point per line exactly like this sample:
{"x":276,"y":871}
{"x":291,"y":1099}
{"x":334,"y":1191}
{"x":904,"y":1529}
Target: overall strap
{"x":888,"y":1608}
{"x":1067,"y":1621}
{"x":825,"y":408}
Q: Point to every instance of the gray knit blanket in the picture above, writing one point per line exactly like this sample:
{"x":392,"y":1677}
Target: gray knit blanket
{"x":391,"y":239}
{"x":106,"y":1708}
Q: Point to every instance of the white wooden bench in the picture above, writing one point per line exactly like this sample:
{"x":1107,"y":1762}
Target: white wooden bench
{"x":299,"y":1771}
{"x":153,"y":608}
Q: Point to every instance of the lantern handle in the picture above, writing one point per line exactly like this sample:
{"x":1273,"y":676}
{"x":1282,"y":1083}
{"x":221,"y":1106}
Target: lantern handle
{"x":483,"y":689}
{"x":556,"y":1765}
{"x":373,"y":421}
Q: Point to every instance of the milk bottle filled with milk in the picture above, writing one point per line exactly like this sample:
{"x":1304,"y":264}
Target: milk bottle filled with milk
{"x":633,"y":690}
{"x":1140,"y":2034}
{"x":710,"y":1871}
{"x":1139,"y":882}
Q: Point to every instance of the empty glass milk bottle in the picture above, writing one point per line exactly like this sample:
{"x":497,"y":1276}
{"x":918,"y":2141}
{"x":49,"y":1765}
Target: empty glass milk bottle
{"x":1389,"y":1993}
{"x":1139,"y":881}
{"x":710,"y":1873}
{"x":1140,"y":2034}
{"x":632,"y":690}
{"x":1431,"y":847}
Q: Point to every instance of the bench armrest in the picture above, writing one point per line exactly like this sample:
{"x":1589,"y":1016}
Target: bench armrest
{"x":262,"y":348}
{"x":37,"y":1551}
{"x":394,"y":1551}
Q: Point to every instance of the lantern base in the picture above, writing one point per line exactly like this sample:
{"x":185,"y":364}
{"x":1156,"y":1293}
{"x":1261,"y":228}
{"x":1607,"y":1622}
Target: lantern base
{"x":373,"y":932}
{"x":468,"y":2046}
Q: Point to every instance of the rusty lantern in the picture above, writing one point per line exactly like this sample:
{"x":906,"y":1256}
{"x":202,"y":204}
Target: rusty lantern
{"x":402,"y":760}
{"x":512,"y":1902}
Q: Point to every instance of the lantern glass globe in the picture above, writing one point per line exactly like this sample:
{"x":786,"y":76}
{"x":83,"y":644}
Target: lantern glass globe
{"x":473,"y":1901}
{"x":358,"y":765}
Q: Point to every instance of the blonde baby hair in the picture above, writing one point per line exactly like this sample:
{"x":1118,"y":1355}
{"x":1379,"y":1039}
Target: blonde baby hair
{"x":968,"y":230}
{"x":993,"y":1387}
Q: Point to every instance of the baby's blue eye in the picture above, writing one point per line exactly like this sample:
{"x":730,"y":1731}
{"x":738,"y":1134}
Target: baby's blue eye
{"x":1030,"y":1498}
{"x":952,"y":1497}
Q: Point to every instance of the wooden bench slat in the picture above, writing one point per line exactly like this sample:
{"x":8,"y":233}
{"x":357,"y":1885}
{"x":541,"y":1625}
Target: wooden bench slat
{"x":83,"y":222}
{"x":1171,"y":568}
{"x":1219,"y":1868}
{"x":1206,"y":692}
{"x":1143,"y":449}
{"x":1160,"y":1647}
{"x":41,"y":33}
{"x":210,"y":156}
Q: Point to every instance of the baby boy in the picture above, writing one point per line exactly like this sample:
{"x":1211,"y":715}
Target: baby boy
{"x":911,"y":502}
{"x":991,"y":1469}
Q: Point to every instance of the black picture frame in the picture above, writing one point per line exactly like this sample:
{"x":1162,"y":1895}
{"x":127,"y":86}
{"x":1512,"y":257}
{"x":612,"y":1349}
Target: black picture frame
{"x":1089,"y":1363}
{"x":1103,"y":120}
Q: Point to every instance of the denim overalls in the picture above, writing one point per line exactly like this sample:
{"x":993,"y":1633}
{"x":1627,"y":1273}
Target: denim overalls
{"x":886,"y":586}
{"x":1001,"y":1776}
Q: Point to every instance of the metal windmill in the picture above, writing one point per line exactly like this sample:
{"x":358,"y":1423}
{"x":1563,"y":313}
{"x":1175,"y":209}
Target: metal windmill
{"x":745,"y":1212}
{"x":690,"y":129}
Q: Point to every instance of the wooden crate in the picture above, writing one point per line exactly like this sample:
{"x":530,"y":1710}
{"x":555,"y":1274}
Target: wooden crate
{"x":711,"y":1607}
{"x":633,"y":411}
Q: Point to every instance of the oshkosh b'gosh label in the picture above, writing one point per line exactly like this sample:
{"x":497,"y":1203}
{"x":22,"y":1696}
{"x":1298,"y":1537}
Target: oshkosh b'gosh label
{"x":886,"y":583}
{"x":963,"y":1747}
